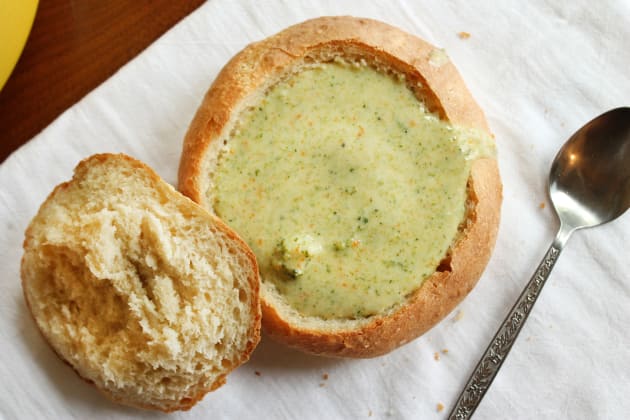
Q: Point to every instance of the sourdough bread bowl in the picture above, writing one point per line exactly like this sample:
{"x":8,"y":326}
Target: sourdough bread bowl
{"x":353,"y":160}
{"x":144,"y":293}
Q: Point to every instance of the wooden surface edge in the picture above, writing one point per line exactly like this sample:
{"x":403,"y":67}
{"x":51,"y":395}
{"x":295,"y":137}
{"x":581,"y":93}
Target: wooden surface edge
{"x":73,"y":47}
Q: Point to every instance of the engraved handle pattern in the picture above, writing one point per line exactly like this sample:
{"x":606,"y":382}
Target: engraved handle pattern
{"x":500,"y":346}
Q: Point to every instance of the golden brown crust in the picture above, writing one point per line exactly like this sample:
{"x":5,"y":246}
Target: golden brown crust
{"x":444,"y":93}
{"x":236,"y":242}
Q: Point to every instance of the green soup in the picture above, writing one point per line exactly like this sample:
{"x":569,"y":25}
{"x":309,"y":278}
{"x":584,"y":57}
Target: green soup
{"x":347,"y":190}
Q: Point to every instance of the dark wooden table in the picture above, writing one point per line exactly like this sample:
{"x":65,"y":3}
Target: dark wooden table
{"x":74,"y":46}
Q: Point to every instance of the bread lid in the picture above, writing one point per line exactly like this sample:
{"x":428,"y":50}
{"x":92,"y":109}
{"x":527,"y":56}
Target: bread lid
{"x":144,"y":293}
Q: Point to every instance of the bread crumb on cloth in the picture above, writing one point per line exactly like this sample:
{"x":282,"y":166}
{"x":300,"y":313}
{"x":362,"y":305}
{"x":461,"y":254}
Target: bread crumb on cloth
{"x":440,"y":407}
{"x":458,"y":316}
{"x":463,"y":35}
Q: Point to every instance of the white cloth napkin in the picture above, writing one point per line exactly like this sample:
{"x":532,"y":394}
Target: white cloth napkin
{"x":539,"y":69}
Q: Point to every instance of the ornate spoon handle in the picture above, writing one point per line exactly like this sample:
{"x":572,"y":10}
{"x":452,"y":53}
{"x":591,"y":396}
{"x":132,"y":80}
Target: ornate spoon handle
{"x":500,"y":346}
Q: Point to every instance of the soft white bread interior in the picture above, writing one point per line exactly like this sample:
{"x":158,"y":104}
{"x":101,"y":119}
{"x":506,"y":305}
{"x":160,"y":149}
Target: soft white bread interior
{"x":436,"y":83}
{"x":139,"y":289}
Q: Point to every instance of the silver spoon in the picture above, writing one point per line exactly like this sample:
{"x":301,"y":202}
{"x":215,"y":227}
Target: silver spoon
{"x":589,"y":185}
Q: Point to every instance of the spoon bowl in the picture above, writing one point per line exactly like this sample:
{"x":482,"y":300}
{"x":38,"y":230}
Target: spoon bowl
{"x":589,"y":182}
{"x":589,"y":185}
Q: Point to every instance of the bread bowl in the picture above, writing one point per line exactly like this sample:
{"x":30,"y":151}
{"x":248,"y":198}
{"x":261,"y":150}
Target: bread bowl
{"x":144,"y":293}
{"x":288,"y":114}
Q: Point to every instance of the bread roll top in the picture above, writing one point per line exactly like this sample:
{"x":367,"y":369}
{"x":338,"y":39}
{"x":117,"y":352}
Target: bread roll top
{"x":140,"y":290}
